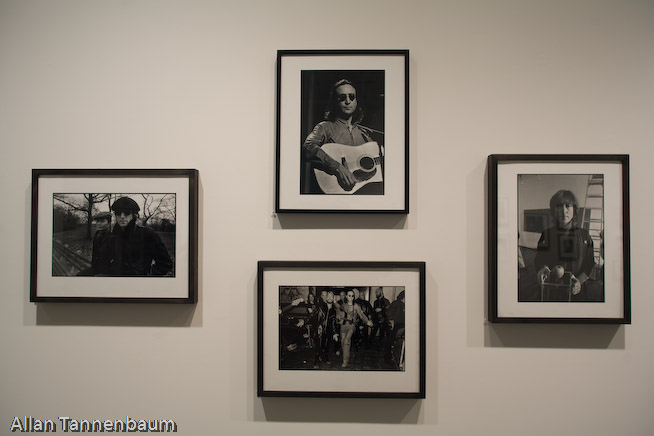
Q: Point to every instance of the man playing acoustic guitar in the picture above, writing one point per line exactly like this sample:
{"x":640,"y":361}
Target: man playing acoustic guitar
{"x":344,"y":158}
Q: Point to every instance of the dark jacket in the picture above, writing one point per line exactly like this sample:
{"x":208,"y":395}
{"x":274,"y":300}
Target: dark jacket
{"x":396,"y":314}
{"x":102,"y":255}
{"x":139,"y":251}
{"x":325,"y":317}
{"x":380,"y":303}
{"x":366,"y":308}
{"x":103,"y":251}
{"x":572,"y":249}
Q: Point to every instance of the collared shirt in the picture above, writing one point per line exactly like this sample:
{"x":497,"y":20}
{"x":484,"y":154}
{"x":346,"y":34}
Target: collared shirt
{"x":338,"y":132}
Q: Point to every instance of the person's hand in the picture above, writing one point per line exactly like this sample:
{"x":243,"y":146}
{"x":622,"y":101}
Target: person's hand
{"x":543,"y":275}
{"x":309,"y":309}
{"x":335,"y":337}
{"x":300,"y":323}
{"x":369,"y":323}
{"x":297,"y":301}
{"x":345,"y":178}
{"x":392,"y":323}
{"x":575,"y":284}
{"x":319,"y":330}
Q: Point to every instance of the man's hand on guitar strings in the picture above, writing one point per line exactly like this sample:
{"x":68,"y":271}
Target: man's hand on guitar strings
{"x":345,"y":178}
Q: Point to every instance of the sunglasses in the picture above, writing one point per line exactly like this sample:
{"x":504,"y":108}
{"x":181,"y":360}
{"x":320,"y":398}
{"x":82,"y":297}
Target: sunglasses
{"x":123,"y":212}
{"x":342,"y":97}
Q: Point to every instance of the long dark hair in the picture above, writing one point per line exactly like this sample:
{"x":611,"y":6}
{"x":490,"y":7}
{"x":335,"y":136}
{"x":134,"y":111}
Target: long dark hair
{"x":332,"y":112}
{"x":564,"y":197}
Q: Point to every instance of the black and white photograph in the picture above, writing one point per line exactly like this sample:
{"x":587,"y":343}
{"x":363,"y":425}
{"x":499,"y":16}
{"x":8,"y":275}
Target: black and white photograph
{"x":560,"y":241}
{"x":114,"y":235}
{"x":343,"y":125}
{"x":341,"y":329}
{"x":354,"y":328}
{"x":342,"y":131}
{"x":559,"y":238}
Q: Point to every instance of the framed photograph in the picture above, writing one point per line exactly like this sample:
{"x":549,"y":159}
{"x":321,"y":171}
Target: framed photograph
{"x":342,"y":131}
{"x":558,"y":229}
{"x":341,"y":329}
{"x":114,"y":235}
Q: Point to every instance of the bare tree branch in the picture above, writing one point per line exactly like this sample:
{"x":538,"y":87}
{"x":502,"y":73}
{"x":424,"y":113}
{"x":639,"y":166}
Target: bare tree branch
{"x":86,"y":207}
{"x":68,"y":203}
{"x":148,"y":203}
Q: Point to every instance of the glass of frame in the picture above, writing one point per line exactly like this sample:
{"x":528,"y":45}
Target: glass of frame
{"x":342,"y":131}
{"x":341,"y":329}
{"x":558,"y":230}
{"x":114,"y":235}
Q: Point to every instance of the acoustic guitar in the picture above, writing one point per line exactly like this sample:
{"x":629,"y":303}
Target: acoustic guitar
{"x":364,"y":161}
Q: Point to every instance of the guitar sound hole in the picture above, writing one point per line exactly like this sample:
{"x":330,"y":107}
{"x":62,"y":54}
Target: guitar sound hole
{"x":367,"y":163}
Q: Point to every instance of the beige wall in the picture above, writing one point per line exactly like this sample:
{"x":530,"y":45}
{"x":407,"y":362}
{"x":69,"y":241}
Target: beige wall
{"x":191,"y":84}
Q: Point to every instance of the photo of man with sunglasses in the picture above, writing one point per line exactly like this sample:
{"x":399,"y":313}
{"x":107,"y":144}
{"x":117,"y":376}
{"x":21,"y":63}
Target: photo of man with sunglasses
{"x":138,"y":251}
{"x":342,"y":128}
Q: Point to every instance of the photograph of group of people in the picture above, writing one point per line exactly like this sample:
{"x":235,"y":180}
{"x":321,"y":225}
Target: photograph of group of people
{"x":561,"y":237}
{"x":360,"y":328}
{"x":126,"y":235}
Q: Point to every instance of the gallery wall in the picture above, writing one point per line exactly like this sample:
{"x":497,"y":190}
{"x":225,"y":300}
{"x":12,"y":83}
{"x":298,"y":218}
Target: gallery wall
{"x":191,"y":84}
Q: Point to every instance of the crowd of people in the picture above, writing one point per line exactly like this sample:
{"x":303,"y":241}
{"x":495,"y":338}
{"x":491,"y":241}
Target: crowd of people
{"x":339,"y":327}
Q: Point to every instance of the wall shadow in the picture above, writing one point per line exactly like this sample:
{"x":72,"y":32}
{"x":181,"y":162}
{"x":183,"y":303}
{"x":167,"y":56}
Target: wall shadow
{"x":581,"y":336}
{"x":339,"y":221}
{"x":476,"y":234}
{"x":115,"y":314}
{"x":343,"y":410}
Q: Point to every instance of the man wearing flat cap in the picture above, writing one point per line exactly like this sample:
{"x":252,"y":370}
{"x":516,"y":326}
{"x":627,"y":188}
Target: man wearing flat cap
{"x":138,"y":251}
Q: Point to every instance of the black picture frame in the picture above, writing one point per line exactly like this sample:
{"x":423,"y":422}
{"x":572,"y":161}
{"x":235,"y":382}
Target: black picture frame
{"x":571,"y":267}
{"x":276,"y":377}
{"x":73,"y":260}
{"x":305,"y":183}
